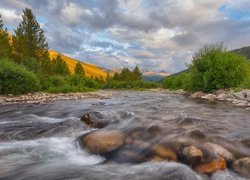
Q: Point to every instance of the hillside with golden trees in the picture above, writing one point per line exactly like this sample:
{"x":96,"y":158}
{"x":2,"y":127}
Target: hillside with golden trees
{"x":90,"y":69}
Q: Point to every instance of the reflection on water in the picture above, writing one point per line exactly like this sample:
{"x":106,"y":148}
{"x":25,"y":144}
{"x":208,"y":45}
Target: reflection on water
{"x":39,"y":141}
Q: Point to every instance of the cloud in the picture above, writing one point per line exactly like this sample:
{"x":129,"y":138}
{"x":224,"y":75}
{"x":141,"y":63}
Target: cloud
{"x":154,"y":34}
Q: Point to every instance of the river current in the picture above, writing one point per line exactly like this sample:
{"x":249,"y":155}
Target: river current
{"x":40,"y":141}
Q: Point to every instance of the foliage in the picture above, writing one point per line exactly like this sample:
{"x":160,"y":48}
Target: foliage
{"x":59,"y":66}
{"x":130,"y":85}
{"x":29,"y":40}
{"x":16,"y":79}
{"x":79,"y":70}
{"x":5,"y":47}
{"x":212,"y":68}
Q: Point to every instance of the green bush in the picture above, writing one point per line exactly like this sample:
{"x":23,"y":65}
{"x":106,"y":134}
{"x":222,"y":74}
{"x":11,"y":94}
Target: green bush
{"x":16,"y":79}
{"x":212,"y":68}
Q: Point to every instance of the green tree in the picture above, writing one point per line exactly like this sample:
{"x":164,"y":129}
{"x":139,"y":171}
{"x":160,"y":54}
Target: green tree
{"x":5,"y":47}
{"x":214,"y":68}
{"x":136,"y":73}
{"x":29,"y":40}
{"x":79,"y":70}
{"x":108,"y":78}
{"x":126,"y":75}
{"x":116,"y":76}
{"x":59,"y":66}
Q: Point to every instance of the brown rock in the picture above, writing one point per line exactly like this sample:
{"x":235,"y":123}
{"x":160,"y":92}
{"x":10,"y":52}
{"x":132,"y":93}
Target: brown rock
{"x":219,"y":92}
{"x":210,"y":97}
{"x":94,"y":120}
{"x":164,"y":152}
{"x":219,"y":150}
{"x":101,"y":142}
{"x":242,"y":166}
{"x":198,"y":94}
{"x":192,"y":155}
{"x":214,"y":165}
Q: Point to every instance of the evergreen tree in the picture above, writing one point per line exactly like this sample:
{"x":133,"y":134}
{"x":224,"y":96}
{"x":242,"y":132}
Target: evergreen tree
{"x":5,"y":47}
{"x":136,"y":73}
{"x":108,"y":77}
{"x":79,"y":70}
{"x":126,"y":75}
{"x":29,"y":40}
{"x":59,"y":66}
{"x":116,"y":76}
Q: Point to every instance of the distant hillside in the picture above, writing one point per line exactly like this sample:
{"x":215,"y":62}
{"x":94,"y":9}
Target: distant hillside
{"x":90,"y":69}
{"x":154,"y":76}
{"x":244,"y":51}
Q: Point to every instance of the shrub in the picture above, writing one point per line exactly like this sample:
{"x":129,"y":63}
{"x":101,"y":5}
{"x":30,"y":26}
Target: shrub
{"x":16,"y":79}
{"x":213,"y":68}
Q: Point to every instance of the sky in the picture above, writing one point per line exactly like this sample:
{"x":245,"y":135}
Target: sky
{"x":158,"y":35}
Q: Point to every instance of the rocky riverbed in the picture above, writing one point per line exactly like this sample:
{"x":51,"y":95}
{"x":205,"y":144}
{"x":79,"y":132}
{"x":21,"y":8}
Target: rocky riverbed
{"x":135,"y":135}
{"x":37,"y":98}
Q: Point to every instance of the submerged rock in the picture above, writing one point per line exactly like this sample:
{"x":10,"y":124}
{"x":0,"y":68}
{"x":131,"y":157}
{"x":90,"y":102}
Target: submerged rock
{"x":103,"y":141}
{"x":164,"y":152}
{"x":212,"y":166}
{"x":219,"y":150}
{"x":242,"y":167}
{"x":94,"y":120}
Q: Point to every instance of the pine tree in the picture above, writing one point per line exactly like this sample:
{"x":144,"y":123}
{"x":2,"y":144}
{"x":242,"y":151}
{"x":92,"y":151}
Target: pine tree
{"x":5,"y":47}
{"x":136,"y":73}
{"x":126,"y":75}
{"x":108,"y":77}
{"x":79,"y":70}
{"x":116,"y":76}
{"x":29,"y":40}
{"x":59,"y":66}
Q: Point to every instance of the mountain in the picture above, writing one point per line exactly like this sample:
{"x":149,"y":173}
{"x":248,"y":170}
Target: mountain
{"x":90,"y":69}
{"x":154,"y":76}
{"x":244,"y":51}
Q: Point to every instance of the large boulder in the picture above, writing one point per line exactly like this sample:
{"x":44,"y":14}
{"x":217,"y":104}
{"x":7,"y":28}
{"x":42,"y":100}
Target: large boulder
{"x":102,"y":141}
{"x":242,"y":167}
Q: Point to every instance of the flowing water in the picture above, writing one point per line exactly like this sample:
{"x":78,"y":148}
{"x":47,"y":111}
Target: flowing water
{"x":40,"y":141}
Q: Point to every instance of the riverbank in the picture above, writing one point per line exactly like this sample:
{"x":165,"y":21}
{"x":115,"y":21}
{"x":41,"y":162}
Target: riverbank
{"x":239,"y":99}
{"x":37,"y":98}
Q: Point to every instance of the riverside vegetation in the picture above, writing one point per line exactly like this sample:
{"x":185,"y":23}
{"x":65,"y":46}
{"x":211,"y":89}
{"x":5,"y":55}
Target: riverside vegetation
{"x":26,"y":66}
{"x":212,"y":68}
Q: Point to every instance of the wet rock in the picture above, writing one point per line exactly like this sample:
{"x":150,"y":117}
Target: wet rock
{"x":197,"y":135}
{"x":94,"y":120}
{"x":242,"y":167}
{"x":192,"y":155}
{"x":219,"y":150}
{"x":212,"y":166}
{"x":102,"y":141}
{"x":210,"y":97}
{"x":198,"y":94}
{"x":129,"y":154}
{"x":164,"y":152}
